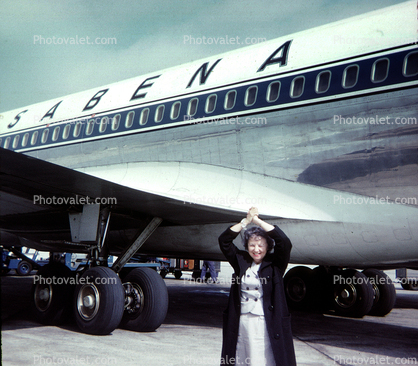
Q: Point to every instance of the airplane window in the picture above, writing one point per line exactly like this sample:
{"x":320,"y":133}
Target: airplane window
{"x":77,"y":129}
{"x":322,"y":82}
{"x":273,"y":91}
{"x":45,"y":136}
{"x":410,"y":64}
{"x":56,"y":133}
{"x":159,"y":114}
{"x":192,"y":107}
{"x":230,"y":99}
{"x":7,"y":142}
{"x":115,"y":122}
{"x":250,"y":96}
{"x":34,"y":138}
{"x":350,"y":76}
{"x":129,"y":119}
{"x":297,"y":86}
{"x":90,"y":127}
{"x":25,"y":139}
{"x":211,"y":103}
{"x":175,"y":110}
{"x":66,"y":131}
{"x":16,"y":141}
{"x":103,"y":124}
{"x":144,"y":117}
{"x":380,"y":70}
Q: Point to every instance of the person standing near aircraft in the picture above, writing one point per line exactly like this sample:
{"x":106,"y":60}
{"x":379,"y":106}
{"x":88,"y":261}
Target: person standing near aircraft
{"x":208,"y":265}
{"x":256,"y":325}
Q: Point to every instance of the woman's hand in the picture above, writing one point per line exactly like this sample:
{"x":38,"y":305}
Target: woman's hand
{"x":252,"y":212}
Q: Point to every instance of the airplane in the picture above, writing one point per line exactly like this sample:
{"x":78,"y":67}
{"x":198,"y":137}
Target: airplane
{"x":318,"y":129}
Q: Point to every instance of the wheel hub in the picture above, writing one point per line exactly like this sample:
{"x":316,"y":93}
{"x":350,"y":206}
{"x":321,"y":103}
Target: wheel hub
{"x":134,"y":298}
{"x":88,"y":301}
{"x":296,"y":289}
{"x":346,"y":296}
{"x":43,"y":297}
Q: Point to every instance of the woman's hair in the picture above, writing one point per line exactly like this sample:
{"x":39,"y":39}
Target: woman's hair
{"x":257,"y":231}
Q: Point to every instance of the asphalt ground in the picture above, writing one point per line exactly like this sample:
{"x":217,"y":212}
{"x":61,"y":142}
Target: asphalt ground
{"x":192,"y":333}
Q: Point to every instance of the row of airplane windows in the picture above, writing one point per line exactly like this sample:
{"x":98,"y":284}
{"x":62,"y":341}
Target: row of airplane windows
{"x":379,"y":73}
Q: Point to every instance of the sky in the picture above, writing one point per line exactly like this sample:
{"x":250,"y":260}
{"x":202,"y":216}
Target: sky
{"x":44,"y":52}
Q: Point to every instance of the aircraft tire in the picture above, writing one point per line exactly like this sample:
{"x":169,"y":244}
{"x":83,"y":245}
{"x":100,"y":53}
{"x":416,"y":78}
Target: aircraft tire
{"x":24,"y":268}
{"x":146,"y":299}
{"x":52,"y":294}
{"x":321,"y":288}
{"x":99,"y":301}
{"x":298,"y":287}
{"x":177,"y":274}
{"x":352,"y":294}
{"x":384,"y":292}
{"x":411,"y":285}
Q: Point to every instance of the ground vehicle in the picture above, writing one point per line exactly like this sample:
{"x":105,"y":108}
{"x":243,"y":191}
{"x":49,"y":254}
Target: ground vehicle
{"x":22,"y":260}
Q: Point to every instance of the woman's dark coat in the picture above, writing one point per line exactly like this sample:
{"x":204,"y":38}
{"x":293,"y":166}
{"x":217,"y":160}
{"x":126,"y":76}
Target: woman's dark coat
{"x":276,"y":313}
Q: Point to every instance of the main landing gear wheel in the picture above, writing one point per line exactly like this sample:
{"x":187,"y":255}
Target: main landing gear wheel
{"x":384,"y":292}
{"x":411,"y":285}
{"x":146,"y":300}
{"x":352,"y":294}
{"x":99,"y":300}
{"x":52,"y":294}
{"x":297,"y":284}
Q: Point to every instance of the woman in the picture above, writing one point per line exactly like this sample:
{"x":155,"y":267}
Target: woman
{"x":256,"y":329}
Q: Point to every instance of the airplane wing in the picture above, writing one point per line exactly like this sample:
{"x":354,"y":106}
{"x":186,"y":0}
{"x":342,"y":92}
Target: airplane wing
{"x":36,"y":197}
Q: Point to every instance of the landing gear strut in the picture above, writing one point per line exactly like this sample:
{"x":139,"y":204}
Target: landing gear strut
{"x":99,"y":299}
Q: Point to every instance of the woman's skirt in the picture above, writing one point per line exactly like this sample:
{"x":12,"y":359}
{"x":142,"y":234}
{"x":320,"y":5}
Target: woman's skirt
{"x":253,"y":346}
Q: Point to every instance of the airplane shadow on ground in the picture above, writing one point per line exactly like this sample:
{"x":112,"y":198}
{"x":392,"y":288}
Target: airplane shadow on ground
{"x":394,"y":335}
{"x":202,"y":305}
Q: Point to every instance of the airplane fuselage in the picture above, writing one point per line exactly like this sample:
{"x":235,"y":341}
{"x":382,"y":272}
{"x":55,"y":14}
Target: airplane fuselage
{"x":316,"y":129}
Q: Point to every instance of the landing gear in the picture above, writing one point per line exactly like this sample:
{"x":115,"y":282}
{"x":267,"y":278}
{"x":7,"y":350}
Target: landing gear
{"x":342,"y":292}
{"x":99,"y":301}
{"x":410,"y":285}
{"x":146,"y":300}
{"x":384,"y":292}
{"x":52,"y":294}
{"x":352,"y":294}
{"x":297,"y":283}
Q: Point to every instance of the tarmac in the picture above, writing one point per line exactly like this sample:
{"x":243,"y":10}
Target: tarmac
{"x":192,"y":333}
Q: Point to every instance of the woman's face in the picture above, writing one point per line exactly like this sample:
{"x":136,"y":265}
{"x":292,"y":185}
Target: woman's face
{"x":257,"y":247}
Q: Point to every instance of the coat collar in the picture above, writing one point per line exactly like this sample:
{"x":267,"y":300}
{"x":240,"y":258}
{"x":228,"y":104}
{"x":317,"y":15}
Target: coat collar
{"x":248,"y":260}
